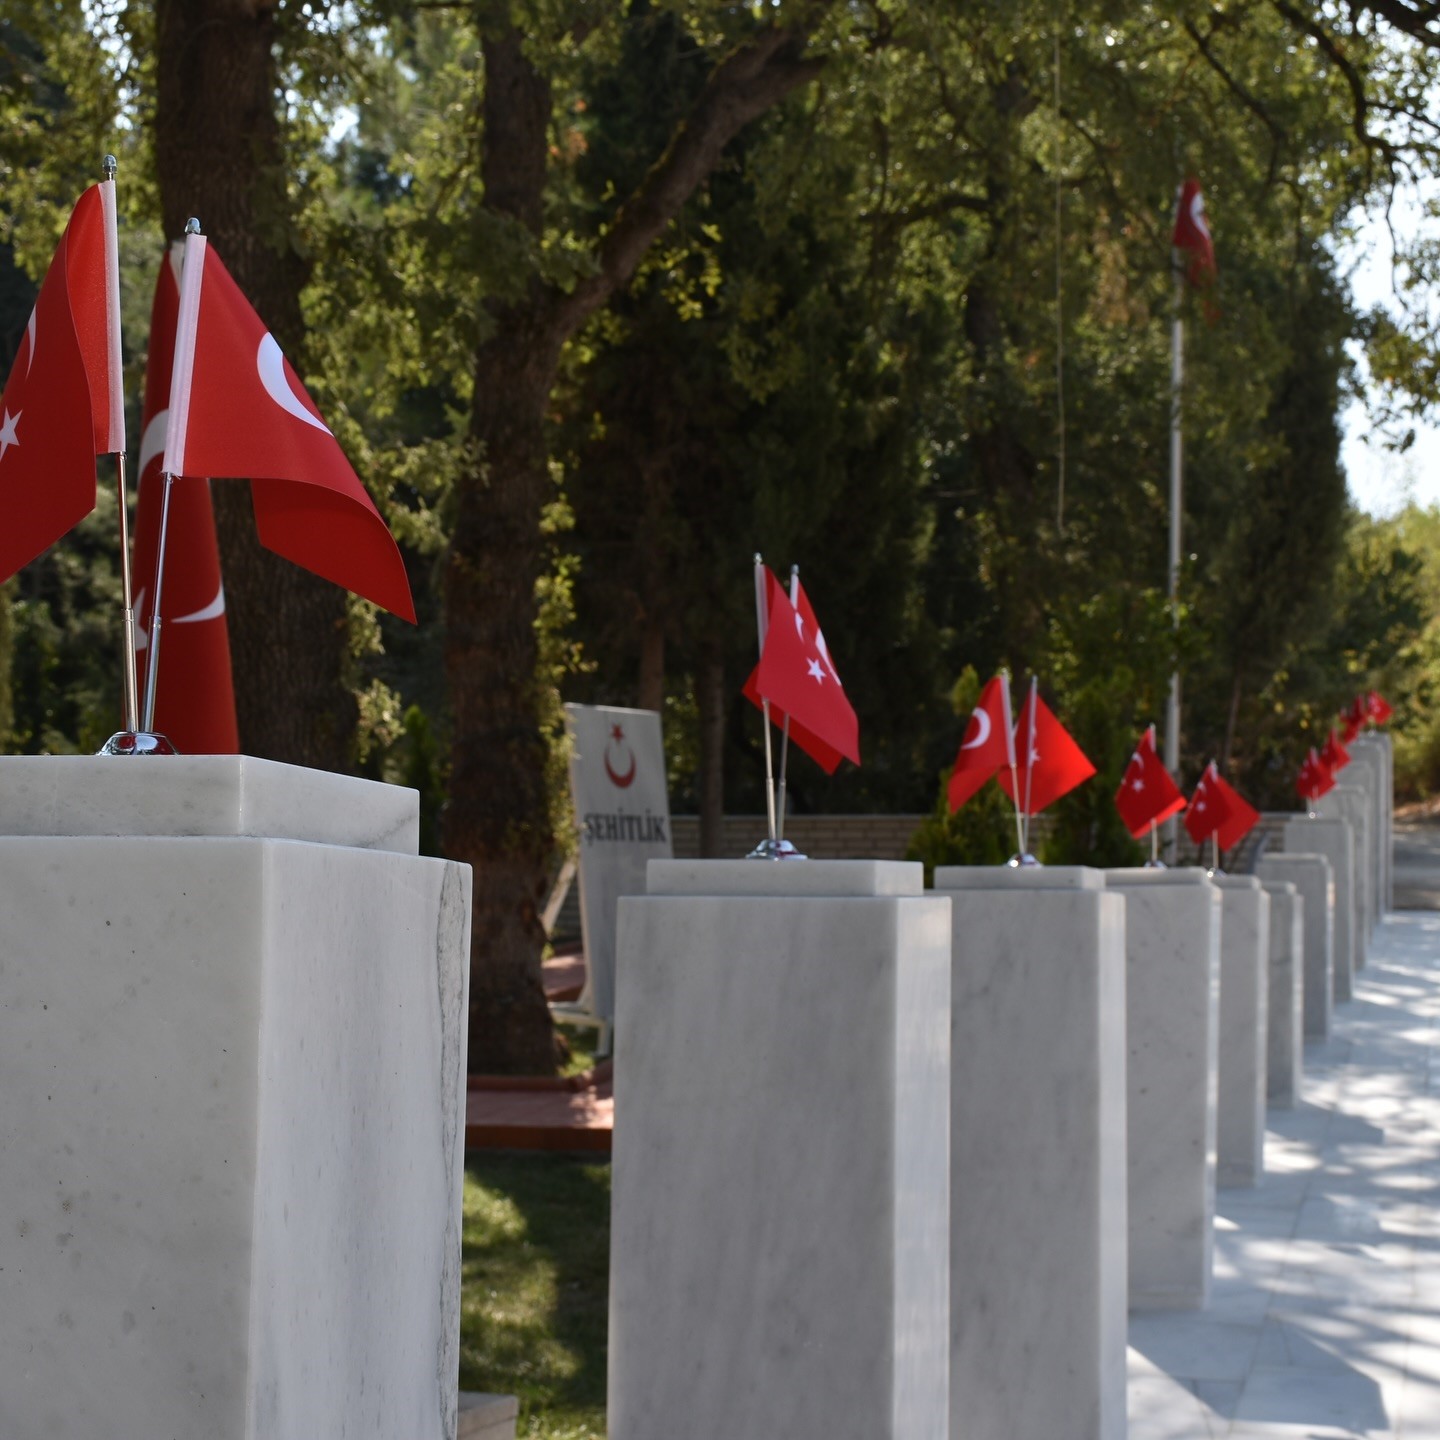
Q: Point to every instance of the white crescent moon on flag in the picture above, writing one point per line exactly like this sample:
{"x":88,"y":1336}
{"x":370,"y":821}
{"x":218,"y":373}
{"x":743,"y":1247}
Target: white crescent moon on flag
{"x":270,"y":366}
{"x":30,"y":353}
{"x":983,"y":717}
{"x":152,"y":442}
{"x":213,"y":611}
{"x":1197,"y":214}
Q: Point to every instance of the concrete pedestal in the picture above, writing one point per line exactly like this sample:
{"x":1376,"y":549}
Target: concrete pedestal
{"x":1172,"y":1000}
{"x":1037,"y":1154}
{"x":232,"y":1073}
{"x":1351,"y":804}
{"x":1334,"y":839}
{"x":1366,"y":772}
{"x":781,"y":1179}
{"x":1378,"y":745}
{"x":1285,"y":1027}
{"x":1314,"y":881}
{"x":1244,"y":1004}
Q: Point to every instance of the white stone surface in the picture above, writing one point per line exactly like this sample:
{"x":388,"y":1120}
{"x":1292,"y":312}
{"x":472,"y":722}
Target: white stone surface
{"x":1366,"y":770}
{"x":1378,"y":744}
{"x":203,"y":795}
{"x":1037,"y":1180}
{"x":1351,"y":804}
{"x":1244,"y":1029}
{"x":1334,"y":839}
{"x":1172,"y":947}
{"x":785,"y":877}
{"x":1314,"y":880}
{"x":1285,"y":1003}
{"x":231,"y":1113}
{"x":780,"y":1205}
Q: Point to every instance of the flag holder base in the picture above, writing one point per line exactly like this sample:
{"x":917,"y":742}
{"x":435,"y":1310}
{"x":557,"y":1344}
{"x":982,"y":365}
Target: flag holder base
{"x":1021,"y":862}
{"x":137,"y":742}
{"x":1154,"y":865}
{"x":769,"y":849}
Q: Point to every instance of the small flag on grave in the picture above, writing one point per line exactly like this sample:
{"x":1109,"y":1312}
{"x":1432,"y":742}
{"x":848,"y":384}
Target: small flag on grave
{"x":1377,"y":709}
{"x":1241,"y":816}
{"x":1208,"y":807}
{"x":1333,"y":755}
{"x":988,"y":744}
{"x":1147,"y":796}
{"x":1050,"y":764}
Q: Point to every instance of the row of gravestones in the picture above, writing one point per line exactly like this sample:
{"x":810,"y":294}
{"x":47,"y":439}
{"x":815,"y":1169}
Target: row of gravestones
{"x":879,"y":1155}
{"x":886,"y":1159}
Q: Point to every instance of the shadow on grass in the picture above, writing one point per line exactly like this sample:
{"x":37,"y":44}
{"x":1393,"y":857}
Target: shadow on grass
{"x":535,"y":1288}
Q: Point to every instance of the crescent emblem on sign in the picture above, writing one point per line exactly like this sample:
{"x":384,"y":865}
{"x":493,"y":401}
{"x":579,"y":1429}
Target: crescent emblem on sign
{"x":982,"y":729}
{"x":270,"y":366}
{"x":621,"y":782}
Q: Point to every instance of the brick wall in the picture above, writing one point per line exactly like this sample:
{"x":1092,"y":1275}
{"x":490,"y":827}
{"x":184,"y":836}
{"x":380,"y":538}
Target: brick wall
{"x":821,"y":837}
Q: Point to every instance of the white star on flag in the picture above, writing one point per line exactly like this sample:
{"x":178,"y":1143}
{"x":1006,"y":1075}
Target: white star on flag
{"x":8,"y":437}
{"x":1137,"y":784}
{"x":816,"y":672}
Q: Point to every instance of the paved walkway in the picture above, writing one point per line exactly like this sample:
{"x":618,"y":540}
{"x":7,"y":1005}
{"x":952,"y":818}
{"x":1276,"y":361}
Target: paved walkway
{"x":1325,"y":1315}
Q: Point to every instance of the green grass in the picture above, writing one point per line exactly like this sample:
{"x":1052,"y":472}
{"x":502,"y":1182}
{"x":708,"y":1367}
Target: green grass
{"x":535,"y":1287}
{"x":582,"y":1040}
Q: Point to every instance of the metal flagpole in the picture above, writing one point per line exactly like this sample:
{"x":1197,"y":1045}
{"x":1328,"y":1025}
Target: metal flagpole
{"x":761,"y":625}
{"x":1029,"y":767}
{"x":785,"y":731}
{"x":152,"y":669}
{"x":1177,"y":380}
{"x":1010,"y":751}
{"x":129,"y":676}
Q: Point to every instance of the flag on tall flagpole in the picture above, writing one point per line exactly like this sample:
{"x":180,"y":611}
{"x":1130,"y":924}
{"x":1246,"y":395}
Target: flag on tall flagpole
{"x":1147,"y":796}
{"x":62,"y":404}
{"x":798,"y":678}
{"x":1192,"y":234}
{"x":237,"y":409}
{"x":195,"y":696}
{"x":1049,"y":762}
{"x":988,"y":744}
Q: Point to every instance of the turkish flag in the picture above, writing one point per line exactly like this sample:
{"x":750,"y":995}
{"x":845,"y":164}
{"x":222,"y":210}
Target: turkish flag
{"x":1315,"y":778}
{"x":1377,"y":708}
{"x":1192,"y":234}
{"x":1241,"y":816}
{"x":238,"y":409}
{"x":1333,"y":755}
{"x":1147,"y":795}
{"x":1051,"y":764}
{"x":194,"y":693}
{"x":988,"y":744}
{"x":798,"y":678}
{"x":1209,"y":809}
{"x":62,"y":405}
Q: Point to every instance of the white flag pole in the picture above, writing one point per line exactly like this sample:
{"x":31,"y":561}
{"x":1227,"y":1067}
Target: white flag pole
{"x":177,"y":421}
{"x":785,"y":731}
{"x":116,"y":441}
{"x":762,"y":624}
{"x":1030,"y":760}
{"x":1009,"y":724}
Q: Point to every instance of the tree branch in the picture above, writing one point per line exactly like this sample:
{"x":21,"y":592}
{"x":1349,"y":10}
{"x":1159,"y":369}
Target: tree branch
{"x":747,"y":83}
{"x":1277,"y":132}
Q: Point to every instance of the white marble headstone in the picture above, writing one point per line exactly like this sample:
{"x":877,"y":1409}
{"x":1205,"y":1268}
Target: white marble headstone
{"x":779,"y":1235}
{"x":1315,"y":885}
{"x":1172,"y":946}
{"x":1285,"y":1029}
{"x":1335,"y":840}
{"x":232,"y":1076}
{"x":1038,"y":1239}
{"x":1244,"y":1009}
{"x":1352,"y":804}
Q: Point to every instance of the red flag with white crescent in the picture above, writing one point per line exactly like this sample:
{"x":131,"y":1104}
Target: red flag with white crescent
{"x":62,"y":404}
{"x":194,"y":694}
{"x":238,"y":409}
{"x":988,"y":744}
{"x":1147,"y":795}
{"x":1192,"y":234}
{"x":1051,"y":764}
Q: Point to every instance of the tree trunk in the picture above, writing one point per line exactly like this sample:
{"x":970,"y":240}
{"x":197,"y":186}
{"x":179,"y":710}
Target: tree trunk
{"x":498,"y":815}
{"x":219,"y":157}
{"x":710,"y":698}
{"x":652,"y":664}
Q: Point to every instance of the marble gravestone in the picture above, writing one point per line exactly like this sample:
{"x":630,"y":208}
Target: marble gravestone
{"x":1172,"y":1004}
{"x":1037,"y":1154}
{"x":1364,"y":771}
{"x":1285,"y":1013}
{"x":1351,"y":804}
{"x":232,"y":1073}
{"x":779,"y":1255}
{"x":1377,"y":744}
{"x":1335,"y":840}
{"x":1244,"y":1038}
{"x":1315,"y":886}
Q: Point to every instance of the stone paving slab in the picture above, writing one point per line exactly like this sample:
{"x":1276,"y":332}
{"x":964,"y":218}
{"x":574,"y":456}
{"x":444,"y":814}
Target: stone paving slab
{"x":1325,"y":1317}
